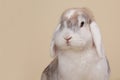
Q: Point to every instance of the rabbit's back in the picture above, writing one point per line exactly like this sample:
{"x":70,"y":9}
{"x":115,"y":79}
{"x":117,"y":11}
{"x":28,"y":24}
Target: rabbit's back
{"x":51,"y":71}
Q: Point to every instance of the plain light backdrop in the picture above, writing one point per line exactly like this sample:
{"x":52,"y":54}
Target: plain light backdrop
{"x":26,"y":28}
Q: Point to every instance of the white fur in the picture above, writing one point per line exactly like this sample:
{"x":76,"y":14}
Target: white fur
{"x":70,"y":13}
{"x":80,"y":40}
{"x":84,"y":65}
{"x":97,"y":39}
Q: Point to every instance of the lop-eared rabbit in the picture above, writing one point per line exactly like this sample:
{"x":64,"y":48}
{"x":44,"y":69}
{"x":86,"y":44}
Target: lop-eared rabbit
{"x":77,"y":49}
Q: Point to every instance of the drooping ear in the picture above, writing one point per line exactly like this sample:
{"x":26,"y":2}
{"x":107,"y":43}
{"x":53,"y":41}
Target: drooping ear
{"x":97,"y":39}
{"x":53,"y":47}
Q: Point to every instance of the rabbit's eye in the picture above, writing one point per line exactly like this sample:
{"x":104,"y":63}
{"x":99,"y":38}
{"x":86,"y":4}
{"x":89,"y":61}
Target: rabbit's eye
{"x":82,"y":23}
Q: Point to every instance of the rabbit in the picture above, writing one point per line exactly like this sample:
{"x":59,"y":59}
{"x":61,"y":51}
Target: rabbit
{"x":77,"y":49}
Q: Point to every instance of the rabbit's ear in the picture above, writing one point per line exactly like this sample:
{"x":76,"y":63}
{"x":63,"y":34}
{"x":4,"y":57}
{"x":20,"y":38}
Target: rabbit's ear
{"x":53,"y":47}
{"x":97,"y":39}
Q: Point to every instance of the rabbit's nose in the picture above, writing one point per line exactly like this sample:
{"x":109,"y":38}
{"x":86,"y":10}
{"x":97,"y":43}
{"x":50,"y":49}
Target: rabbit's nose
{"x":68,"y":38}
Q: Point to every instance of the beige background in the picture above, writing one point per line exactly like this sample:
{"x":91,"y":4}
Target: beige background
{"x":26,"y":28}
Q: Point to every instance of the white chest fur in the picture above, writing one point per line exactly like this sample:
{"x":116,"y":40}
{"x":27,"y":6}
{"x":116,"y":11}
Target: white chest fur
{"x":76,"y":65}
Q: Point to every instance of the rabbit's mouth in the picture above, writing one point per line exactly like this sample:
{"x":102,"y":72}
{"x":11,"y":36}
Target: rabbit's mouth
{"x":73,"y":44}
{"x":68,"y":43}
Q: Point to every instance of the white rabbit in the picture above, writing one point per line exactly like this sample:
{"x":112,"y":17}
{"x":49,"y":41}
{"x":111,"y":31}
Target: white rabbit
{"x":77,"y":49}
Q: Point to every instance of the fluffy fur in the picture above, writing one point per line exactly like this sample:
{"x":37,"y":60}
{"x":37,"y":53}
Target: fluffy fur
{"x":77,"y":48}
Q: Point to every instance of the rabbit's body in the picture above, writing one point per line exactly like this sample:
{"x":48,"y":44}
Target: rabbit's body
{"x":77,"y":46}
{"x":82,"y":66}
{"x":77,"y":66}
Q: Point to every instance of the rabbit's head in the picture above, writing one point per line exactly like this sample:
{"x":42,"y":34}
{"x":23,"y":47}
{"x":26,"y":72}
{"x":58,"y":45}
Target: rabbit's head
{"x":77,"y":30}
